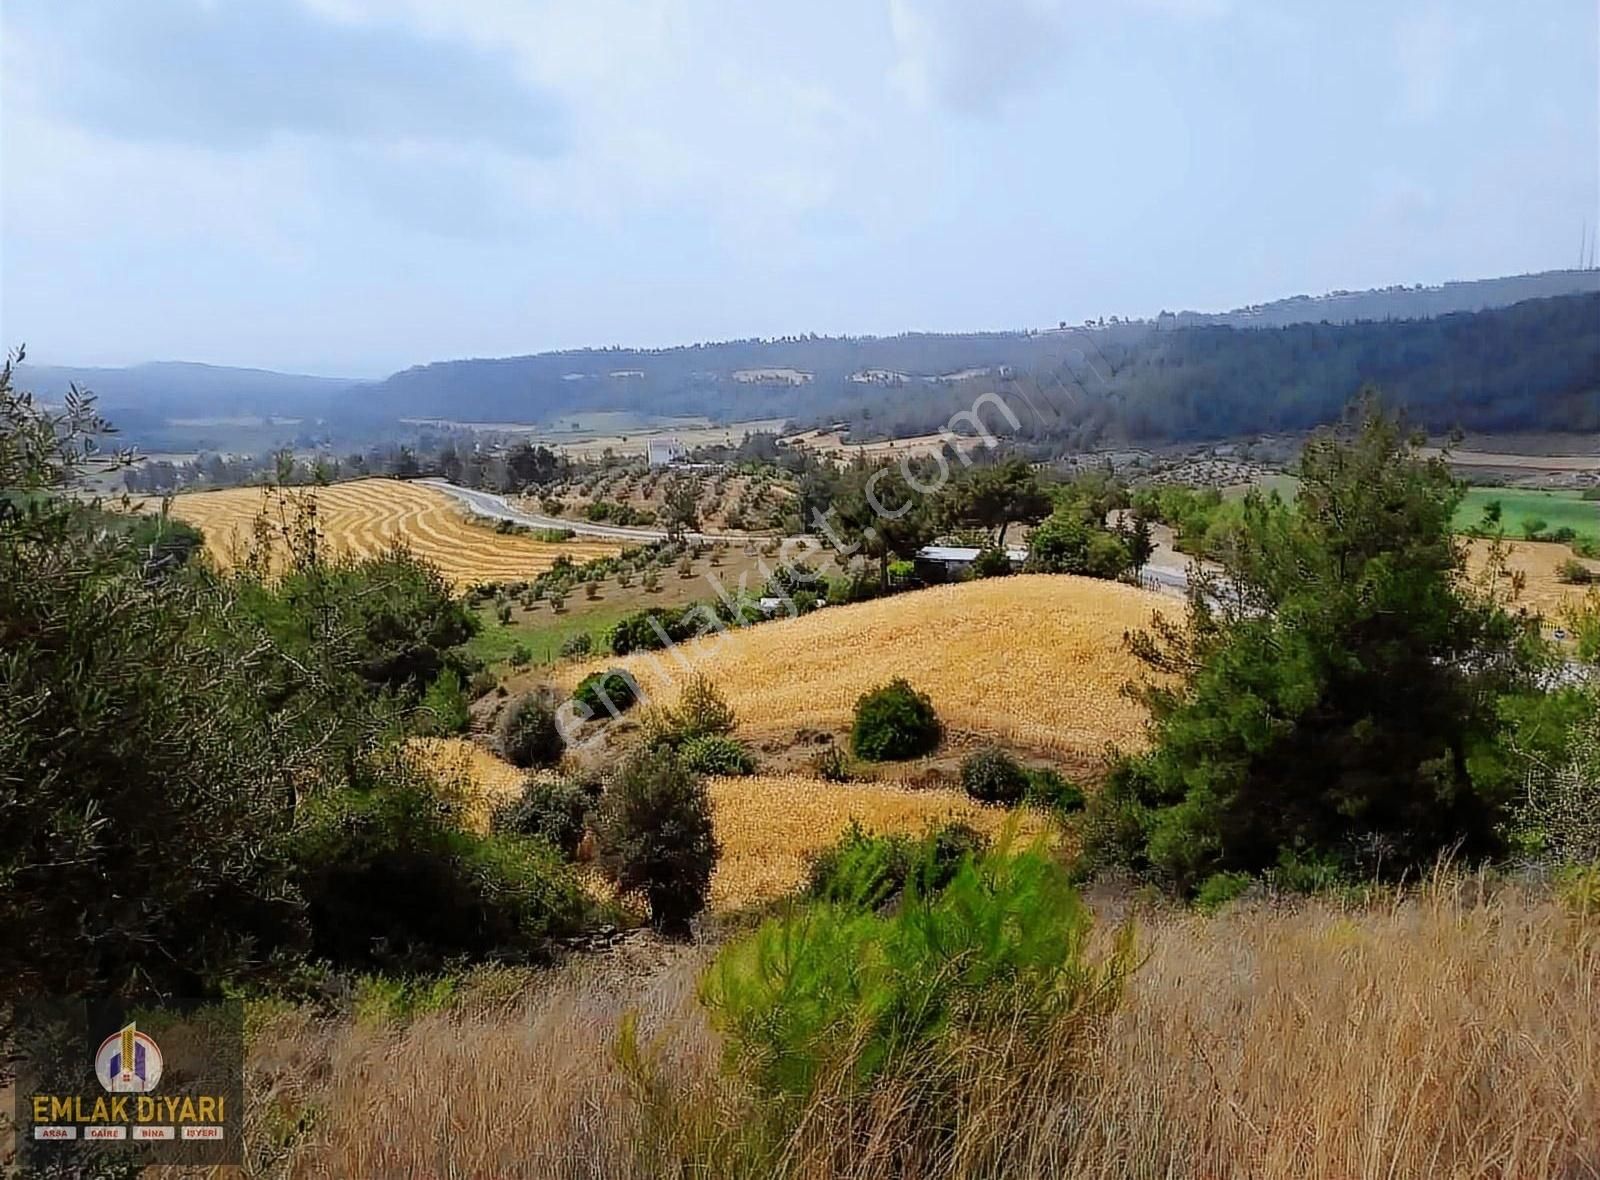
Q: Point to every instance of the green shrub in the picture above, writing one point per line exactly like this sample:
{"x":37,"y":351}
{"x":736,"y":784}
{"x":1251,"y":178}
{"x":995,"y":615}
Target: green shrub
{"x":711,"y":754}
{"x":557,"y":813}
{"x":1577,"y":887}
{"x":860,"y":869}
{"x":992,"y":776}
{"x":1049,"y":790}
{"x":1306,"y":873}
{"x":1219,"y":889}
{"x":655,"y":627}
{"x":701,"y":711}
{"x":1532,"y":526}
{"x":894,"y":722}
{"x":992,"y":563}
{"x":444,"y":705}
{"x":839,"y":994}
{"x":868,"y":871}
{"x":521,"y":656}
{"x":830,"y":765}
{"x":577,"y":645}
{"x":656,"y":838}
{"x":528,"y":733}
{"x":605,"y":694}
{"x":385,"y":999}
{"x":393,"y":882}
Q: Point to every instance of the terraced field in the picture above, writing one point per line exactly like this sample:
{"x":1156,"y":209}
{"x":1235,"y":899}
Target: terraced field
{"x":1034,"y":661}
{"x":365,"y":516}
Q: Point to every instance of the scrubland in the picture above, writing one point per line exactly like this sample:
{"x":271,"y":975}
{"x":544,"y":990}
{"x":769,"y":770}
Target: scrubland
{"x":1452,"y":1031}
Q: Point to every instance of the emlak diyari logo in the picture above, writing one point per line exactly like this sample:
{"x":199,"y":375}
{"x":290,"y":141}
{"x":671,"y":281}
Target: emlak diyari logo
{"x":167,"y":1082}
{"x":129,"y":1062}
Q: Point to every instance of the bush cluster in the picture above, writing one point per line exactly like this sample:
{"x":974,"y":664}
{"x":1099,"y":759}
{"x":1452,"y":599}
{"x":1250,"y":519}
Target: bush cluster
{"x":528,"y":733}
{"x":894,"y":722}
{"x":606,"y":693}
{"x":656,"y":837}
{"x":556,"y":812}
{"x":869,"y":871}
{"x":393,"y":881}
{"x":992,"y":776}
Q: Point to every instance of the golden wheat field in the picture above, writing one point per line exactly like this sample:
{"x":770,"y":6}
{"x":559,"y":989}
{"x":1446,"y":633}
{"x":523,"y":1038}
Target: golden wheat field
{"x":1034,"y":661}
{"x":365,"y":516}
{"x":770,"y":826}
{"x":480,"y":779}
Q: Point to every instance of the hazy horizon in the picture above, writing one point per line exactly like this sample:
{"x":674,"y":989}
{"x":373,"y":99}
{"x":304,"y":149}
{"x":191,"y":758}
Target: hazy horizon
{"x":349,"y":188}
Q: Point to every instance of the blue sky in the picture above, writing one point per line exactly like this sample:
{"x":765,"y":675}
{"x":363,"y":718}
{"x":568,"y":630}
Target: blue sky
{"x":354,"y":186}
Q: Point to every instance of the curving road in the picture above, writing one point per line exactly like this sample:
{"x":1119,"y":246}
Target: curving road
{"x":498,"y":508}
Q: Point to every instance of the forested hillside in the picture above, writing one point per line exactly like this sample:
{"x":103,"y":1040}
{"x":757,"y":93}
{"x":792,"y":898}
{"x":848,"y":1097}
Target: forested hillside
{"x":1534,"y":365}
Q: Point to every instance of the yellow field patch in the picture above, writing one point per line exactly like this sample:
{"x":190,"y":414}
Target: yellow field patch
{"x":770,"y":827}
{"x":483,"y":780}
{"x":1036,"y":661}
{"x":363,"y":517}
{"x":1537,"y":561}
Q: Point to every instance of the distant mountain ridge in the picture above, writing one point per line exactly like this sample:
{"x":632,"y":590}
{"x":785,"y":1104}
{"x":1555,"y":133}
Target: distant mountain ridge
{"x":1395,"y":303}
{"x":893,"y":384}
{"x":188,"y":388}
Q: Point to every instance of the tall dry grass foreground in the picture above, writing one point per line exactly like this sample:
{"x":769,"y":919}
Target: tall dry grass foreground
{"x":1453,"y":1034}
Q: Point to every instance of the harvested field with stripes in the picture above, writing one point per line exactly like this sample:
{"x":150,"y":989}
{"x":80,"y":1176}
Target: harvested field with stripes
{"x":1034,"y":661}
{"x":365,"y":516}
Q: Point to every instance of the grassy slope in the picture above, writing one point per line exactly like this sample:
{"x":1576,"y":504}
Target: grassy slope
{"x":1452,"y":1034}
{"x":543,"y":631}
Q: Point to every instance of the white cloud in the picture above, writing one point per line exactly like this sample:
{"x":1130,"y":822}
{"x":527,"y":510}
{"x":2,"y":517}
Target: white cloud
{"x":1430,"y":44}
{"x":972,"y":57}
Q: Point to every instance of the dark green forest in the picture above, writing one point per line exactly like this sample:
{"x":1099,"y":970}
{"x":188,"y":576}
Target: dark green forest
{"x":1534,"y":365}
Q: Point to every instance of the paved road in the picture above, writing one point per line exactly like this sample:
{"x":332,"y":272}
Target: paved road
{"x":498,"y":508}
{"x":1166,"y":579}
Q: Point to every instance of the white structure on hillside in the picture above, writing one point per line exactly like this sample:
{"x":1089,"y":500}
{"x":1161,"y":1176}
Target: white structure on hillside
{"x":947,"y":563}
{"x":664,"y":451}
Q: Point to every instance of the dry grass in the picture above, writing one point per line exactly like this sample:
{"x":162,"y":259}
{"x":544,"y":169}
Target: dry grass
{"x":1537,"y":561}
{"x":769,"y":827}
{"x":1034,"y":661}
{"x":1451,"y":1035}
{"x":481,"y":779}
{"x":364,"y":516}
{"x":1461,"y":458}
{"x":831,"y":443}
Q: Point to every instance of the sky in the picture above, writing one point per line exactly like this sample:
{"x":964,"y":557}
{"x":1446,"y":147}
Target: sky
{"x":351,"y":187}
